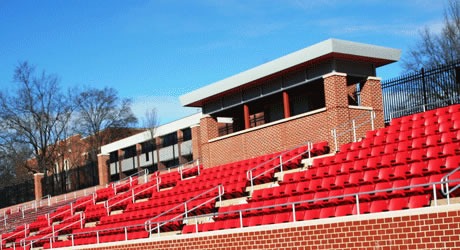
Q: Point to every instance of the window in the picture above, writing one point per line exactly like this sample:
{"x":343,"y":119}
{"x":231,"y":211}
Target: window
{"x":169,"y":139}
{"x":148,"y":146}
{"x":186,"y":134}
{"x":130,"y":152}
{"x":113,"y":157}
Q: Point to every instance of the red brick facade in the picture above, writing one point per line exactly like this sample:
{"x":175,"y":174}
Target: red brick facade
{"x":422,"y":230}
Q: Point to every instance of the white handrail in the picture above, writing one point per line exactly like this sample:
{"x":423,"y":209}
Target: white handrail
{"x":354,"y":127}
{"x":132,"y":196}
{"x":182,"y":168}
{"x":250,"y":176}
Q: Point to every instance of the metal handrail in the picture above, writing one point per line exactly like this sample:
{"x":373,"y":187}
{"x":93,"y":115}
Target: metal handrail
{"x":249,"y":173}
{"x":175,"y":218}
{"x":353,"y":128}
{"x":131,"y":179}
{"x":446,"y":189}
{"x":292,"y":204}
{"x":183,"y":170}
{"x":148,"y":223}
{"x":356,"y":195}
{"x":133,"y":195}
{"x":26,"y":227}
{"x":23,"y":241}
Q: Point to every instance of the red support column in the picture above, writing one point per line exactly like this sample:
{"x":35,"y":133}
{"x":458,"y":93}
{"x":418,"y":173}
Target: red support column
{"x":286,"y":105}
{"x":247,"y":123}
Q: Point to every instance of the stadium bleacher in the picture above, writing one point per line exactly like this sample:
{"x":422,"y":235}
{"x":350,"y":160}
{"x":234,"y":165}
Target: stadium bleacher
{"x":409,"y":164}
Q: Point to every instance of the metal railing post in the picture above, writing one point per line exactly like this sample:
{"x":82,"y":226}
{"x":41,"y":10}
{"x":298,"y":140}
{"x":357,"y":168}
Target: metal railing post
{"x":196,"y":225}
{"x":372,"y":120}
{"x":186,"y":209}
{"x":353,"y":126}
{"x":357,"y":205}
{"x":252,"y":181}
{"x":294,"y":218}
{"x":281,"y":163}
{"x":158,"y":185}
{"x":241,"y":219}
{"x":334,"y":134}
{"x":435,"y":195}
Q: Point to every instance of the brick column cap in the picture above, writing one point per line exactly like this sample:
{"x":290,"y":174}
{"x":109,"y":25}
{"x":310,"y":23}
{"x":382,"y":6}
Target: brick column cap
{"x":374,"y":78}
{"x":334,"y":74}
{"x":194,"y":125}
{"x":103,"y":154}
{"x":39,"y":174}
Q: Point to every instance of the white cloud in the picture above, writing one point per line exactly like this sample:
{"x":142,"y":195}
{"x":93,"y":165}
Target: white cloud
{"x":168,"y":108}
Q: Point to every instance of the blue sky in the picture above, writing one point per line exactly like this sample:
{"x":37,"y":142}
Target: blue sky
{"x":154,"y":51}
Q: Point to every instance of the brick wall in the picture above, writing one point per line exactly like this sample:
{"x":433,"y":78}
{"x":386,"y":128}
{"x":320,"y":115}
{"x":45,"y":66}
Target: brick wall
{"x":264,"y":140}
{"x":426,"y":228}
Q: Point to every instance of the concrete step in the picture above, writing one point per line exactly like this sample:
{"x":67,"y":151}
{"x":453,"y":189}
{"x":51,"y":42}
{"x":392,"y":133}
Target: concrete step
{"x":229,"y":202}
{"x":444,"y":201}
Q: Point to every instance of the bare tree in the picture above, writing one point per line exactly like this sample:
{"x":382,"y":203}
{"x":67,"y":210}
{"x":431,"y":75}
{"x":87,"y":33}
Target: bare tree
{"x":151,"y":124}
{"x":35,"y":114}
{"x":99,"y":110}
{"x":434,"y":49}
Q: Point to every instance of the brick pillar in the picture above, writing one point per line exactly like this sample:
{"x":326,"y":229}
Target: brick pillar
{"x":103,"y":169}
{"x":160,"y":165}
{"x":38,"y":185}
{"x":208,"y":130}
{"x":196,"y":141}
{"x":286,"y":105}
{"x":371,"y":96}
{"x":336,"y":97}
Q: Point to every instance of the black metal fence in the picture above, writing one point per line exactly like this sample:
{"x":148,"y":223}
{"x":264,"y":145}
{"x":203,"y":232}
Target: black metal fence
{"x":421,"y":91}
{"x":17,"y":194}
{"x":71,"y":180}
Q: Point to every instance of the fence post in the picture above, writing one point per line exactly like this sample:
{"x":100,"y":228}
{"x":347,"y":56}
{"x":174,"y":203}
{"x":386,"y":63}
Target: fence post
{"x":424,"y":88}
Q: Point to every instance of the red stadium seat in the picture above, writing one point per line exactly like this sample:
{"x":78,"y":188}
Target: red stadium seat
{"x":398,"y":204}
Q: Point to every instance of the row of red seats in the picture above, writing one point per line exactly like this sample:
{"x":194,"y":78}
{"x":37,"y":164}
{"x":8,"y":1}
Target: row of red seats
{"x":94,"y":240}
{"x":298,"y":192}
{"x":258,"y":219}
{"x":432,"y":150}
{"x":389,"y":168}
{"x":409,"y":139}
{"x":426,"y":122}
{"x":439,"y":112}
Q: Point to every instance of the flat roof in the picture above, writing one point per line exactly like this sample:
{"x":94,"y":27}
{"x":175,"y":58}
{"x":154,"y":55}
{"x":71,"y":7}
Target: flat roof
{"x":372,"y":53}
{"x":146,"y":136}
